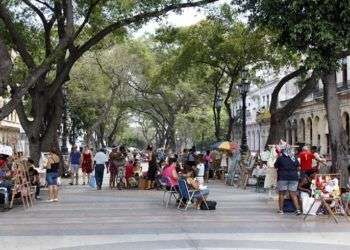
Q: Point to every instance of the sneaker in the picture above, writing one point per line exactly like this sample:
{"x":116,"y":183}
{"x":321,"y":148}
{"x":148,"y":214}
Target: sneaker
{"x":55,"y":200}
{"x":298,"y":212}
{"x":38,"y":198}
{"x":280,"y":212}
{"x":49,"y":201}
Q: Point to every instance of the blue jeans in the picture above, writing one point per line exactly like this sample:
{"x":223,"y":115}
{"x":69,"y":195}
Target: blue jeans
{"x":51,"y":178}
{"x":99,"y":170}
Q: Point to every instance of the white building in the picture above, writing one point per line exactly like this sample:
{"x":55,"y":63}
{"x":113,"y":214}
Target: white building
{"x":309,"y":122}
{"x":12,"y":133}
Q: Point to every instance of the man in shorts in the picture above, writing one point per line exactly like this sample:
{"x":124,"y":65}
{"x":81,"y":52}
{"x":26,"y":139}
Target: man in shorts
{"x":287,"y":178}
{"x":74,"y":159}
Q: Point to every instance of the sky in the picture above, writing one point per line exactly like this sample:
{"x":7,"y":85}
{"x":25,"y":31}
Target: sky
{"x":189,"y":16}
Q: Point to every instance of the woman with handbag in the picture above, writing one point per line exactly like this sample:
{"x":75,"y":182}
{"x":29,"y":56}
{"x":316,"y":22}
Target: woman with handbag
{"x":52,"y":167}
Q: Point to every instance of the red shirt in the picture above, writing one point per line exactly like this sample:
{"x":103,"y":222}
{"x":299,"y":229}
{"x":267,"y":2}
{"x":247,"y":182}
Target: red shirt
{"x":129,"y":171}
{"x":306,"y":158}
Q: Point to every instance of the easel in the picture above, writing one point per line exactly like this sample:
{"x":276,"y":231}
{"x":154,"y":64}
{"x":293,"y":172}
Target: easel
{"x":247,"y":170}
{"x":22,"y":185}
{"x":338,"y":205}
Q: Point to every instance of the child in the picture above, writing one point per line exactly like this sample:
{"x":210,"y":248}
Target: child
{"x":34,"y":178}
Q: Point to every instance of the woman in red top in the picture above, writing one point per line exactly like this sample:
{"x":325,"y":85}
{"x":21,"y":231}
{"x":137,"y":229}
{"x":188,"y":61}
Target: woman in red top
{"x":129,"y":171}
{"x":86,"y":163}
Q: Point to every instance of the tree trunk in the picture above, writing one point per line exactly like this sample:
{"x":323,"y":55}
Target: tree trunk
{"x":42,"y":131}
{"x":279,"y":116}
{"x":337,"y":134}
{"x":101,"y":135}
{"x":5,"y":67}
{"x":231,"y":119}
{"x":277,"y":128}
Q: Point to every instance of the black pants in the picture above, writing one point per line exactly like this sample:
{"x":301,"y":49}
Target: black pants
{"x":37,"y":188}
{"x":99,"y":170}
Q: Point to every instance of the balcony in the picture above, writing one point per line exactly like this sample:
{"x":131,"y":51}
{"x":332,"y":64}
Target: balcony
{"x":318,"y":94}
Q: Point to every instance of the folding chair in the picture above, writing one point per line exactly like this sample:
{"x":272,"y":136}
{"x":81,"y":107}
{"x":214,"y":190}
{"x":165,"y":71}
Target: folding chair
{"x":168,"y":189}
{"x":186,"y":195}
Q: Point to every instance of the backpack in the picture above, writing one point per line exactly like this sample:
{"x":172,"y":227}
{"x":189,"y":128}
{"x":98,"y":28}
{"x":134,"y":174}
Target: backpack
{"x":211,"y":205}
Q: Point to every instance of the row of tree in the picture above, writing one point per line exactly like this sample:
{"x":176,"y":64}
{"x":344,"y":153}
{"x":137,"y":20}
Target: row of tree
{"x":56,"y":52}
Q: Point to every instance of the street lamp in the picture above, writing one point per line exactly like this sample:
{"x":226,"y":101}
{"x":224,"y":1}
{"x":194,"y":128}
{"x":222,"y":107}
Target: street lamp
{"x":218,"y":105}
{"x":243,"y":88}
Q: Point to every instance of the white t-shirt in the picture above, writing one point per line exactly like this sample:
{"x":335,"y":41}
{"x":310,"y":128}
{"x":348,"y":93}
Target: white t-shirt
{"x":201,"y":170}
{"x":100,"y":158}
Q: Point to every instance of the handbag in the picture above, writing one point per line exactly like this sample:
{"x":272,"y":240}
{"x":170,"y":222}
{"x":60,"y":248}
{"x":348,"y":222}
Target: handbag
{"x":92,"y":181}
{"x":211,"y":205}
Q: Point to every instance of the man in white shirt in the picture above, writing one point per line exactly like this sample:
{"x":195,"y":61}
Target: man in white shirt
{"x":100,"y":161}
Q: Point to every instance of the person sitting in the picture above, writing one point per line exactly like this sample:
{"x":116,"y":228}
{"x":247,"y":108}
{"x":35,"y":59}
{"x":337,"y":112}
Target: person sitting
{"x":200,"y":192}
{"x":169,"y":172}
{"x":5,"y":178}
{"x":34,"y":178}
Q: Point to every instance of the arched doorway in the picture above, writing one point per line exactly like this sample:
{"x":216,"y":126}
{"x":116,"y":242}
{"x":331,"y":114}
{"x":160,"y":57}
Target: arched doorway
{"x":289,"y":137}
{"x":295,"y":131}
{"x":253,"y":136}
{"x":316,"y":131}
{"x":302,"y":129}
{"x":309,"y":130}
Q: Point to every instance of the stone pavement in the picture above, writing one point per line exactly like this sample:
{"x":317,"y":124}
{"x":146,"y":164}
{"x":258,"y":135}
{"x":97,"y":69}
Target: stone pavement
{"x":132,"y":219}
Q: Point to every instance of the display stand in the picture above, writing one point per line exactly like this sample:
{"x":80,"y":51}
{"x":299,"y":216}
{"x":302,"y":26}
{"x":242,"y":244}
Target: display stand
{"x":338,"y":207}
{"x":22,"y":186}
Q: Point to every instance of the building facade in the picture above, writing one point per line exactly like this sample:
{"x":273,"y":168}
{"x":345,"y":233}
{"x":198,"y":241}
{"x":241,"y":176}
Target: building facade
{"x":12,"y":134}
{"x":308,"y":124}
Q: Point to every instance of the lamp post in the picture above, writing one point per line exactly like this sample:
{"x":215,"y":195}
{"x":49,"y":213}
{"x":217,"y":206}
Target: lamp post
{"x":218,"y":105}
{"x":243,"y":87}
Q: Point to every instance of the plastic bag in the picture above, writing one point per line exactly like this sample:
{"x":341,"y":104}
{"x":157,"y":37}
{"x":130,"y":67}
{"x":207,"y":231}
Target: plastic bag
{"x":59,"y":182}
{"x":92,"y":181}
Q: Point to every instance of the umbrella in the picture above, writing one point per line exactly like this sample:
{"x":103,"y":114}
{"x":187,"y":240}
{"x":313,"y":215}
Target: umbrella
{"x":226,"y":145}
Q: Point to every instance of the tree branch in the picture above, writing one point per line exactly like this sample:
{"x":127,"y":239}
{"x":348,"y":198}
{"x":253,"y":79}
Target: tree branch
{"x":310,"y":85}
{"x":86,"y":17}
{"x":16,"y":38}
{"x":45,"y":4}
{"x":137,"y":19}
{"x":5,"y":67}
{"x":281,"y":83}
{"x":46,"y":24}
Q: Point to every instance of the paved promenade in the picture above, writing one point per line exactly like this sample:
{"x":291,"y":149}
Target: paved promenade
{"x":90,"y":219}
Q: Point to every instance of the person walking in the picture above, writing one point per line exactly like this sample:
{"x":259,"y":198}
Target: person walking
{"x":74,"y":159}
{"x":121,"y":167}
{"x":112,"y":169}
{"x":100,"y":161}
{"x":86,"y":163}
{"x":152,"y":167}
{"x":52,"y":167}
{"x":287,"y":177}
